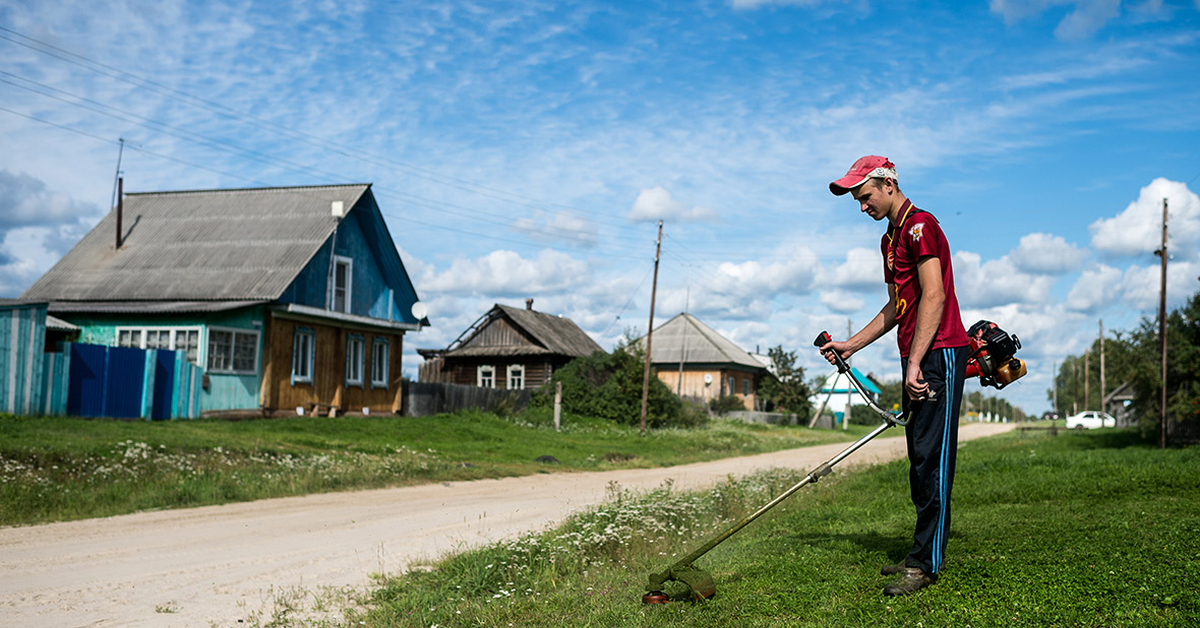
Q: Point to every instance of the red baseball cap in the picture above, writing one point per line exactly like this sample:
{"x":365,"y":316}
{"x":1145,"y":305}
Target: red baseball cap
{"x":869,"y":167}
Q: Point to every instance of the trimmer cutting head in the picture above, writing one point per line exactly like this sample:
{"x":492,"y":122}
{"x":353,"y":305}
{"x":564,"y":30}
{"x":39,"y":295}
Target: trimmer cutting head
{"x":699,"y":582}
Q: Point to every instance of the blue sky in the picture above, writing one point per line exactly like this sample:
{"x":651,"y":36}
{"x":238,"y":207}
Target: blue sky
{"x":526,"y":149}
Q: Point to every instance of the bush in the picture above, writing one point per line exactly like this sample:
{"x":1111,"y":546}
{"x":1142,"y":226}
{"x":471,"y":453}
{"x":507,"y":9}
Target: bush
{"x":723,"y":405}
{"x":609,"y":386}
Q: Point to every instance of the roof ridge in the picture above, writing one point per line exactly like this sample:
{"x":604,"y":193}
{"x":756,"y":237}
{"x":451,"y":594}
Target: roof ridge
{"x":259,"y":189}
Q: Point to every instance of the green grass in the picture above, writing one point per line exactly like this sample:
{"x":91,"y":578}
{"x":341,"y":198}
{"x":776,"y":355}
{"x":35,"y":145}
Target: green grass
{"x":1082,"y":529}
{"x":54,"y":469}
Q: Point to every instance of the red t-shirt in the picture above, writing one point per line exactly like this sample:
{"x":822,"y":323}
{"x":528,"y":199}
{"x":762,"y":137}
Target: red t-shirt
{"x":917,"y":237}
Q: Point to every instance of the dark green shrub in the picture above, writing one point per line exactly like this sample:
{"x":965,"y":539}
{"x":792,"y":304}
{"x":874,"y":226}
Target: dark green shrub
{"x":609,"y":386}
{"x":728,"y":403}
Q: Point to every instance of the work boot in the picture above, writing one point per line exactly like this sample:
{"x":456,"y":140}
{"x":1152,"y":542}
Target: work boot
{"x":911,"y":581}
{"x":891,"y":570}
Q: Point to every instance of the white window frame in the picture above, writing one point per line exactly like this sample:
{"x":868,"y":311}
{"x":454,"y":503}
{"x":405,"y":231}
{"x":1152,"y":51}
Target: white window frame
{"x":303,"y":336}
{"x":177,"y":336}
{"x":233,"y":347}
{"x":339,"y":261}
{"x":746,"y":387}
{"x":381,"y":354}
{"x":516,"y":373}
{"x":356,"y":347}
{"x":485,"y":373}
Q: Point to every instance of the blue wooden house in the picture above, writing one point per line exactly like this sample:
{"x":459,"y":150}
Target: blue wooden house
{"x":289,"y":298}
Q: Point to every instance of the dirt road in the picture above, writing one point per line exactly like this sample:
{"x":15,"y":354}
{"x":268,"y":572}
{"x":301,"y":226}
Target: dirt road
{"x":222,"y":565}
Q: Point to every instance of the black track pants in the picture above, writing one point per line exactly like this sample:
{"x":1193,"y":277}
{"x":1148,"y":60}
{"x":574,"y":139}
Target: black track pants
{"x":932,"y":435}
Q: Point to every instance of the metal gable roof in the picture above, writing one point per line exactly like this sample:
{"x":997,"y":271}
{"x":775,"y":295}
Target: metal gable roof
{"x":684,"y":338}
{"x":244,"y":244}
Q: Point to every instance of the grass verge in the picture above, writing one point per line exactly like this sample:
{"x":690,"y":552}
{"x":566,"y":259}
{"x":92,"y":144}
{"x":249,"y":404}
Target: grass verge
{"x":54,"y":469}
{"x":1082,"y":529}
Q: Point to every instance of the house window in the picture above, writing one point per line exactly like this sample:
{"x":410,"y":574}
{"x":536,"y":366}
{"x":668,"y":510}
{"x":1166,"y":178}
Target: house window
{"x":516,"y":376}
{"x":732,"y":385}
{"x":746,"y":387}
{"x":354,"y":360}
{"x":174,"y":338}
{"x":302,"y":355}
{"x":342,"y":267}
{"x":486,"y":376}
{"x":380,"y":353}
{"x":232,"y":351}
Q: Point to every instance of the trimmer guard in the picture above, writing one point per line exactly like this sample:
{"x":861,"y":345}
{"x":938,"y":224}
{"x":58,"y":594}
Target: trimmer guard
{"x":698,"y":581}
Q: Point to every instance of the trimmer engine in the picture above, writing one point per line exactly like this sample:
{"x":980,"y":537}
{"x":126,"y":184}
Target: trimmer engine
{"x":993,"y":355}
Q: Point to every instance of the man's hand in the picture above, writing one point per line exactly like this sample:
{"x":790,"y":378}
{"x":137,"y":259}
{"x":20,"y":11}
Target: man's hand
{"x":914,"y":382}
{"x":841,"y":347}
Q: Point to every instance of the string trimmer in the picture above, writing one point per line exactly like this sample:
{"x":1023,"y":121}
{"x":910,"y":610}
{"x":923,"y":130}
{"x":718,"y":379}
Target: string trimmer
{"x":991,"y":359}
{"x":699,"y":581}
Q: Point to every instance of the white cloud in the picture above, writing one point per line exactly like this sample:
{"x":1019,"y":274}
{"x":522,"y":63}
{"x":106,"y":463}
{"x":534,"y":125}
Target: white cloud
{"x":1095,"y":289}
{"x":862,"y":270}
{"x":557,"y":228}
{"x":980,"y":284}
{"x":793,"y":276}
{"x":26,"y":201}
{"x":842,"y":302}
{"x":1137,"y":231}
{"x":1043,"y":253}
{"x":657,"y":204}
{"x":507,"y":273}
{"x":1087,"y":16}
{"x":1141,"y":286}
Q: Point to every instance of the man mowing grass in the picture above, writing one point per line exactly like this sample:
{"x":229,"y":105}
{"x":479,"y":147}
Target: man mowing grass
{"x":933,"y":355}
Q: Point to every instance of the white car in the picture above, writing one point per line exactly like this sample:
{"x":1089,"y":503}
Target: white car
{"x":1091,"y":420}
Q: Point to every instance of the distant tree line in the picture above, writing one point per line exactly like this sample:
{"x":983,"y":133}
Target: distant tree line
{"x":1134,"y":357}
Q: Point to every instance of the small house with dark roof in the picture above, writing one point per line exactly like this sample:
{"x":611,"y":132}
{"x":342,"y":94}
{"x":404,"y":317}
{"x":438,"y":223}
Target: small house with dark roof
{"x":508,"y":348}
{"x":700,"y":364}
{"x":288,"y":298}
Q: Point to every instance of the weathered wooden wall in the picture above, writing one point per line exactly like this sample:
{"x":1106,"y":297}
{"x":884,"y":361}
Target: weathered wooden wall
{"x":328,"y":387}
{"x":425,"y":399}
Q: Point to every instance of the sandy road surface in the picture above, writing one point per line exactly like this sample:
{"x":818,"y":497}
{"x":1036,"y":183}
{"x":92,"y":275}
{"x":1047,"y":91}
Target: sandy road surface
{"x":218,"y":565}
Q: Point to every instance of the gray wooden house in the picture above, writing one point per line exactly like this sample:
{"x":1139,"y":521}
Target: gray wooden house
{"x":700,"y":364}
{"x":508,"y":348}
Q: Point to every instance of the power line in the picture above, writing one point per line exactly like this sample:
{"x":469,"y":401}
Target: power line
{"x":312,"y":140}
{"x":577,"y":237}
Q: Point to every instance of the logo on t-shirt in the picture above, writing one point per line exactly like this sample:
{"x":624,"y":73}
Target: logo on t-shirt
{"x":917,"y":231}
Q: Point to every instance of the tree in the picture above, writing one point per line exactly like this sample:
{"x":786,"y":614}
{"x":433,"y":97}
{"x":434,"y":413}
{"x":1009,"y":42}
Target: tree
{"x":1078,"y":378}
{"x":609,"y":386}
{"x":786,"y":391}
{"x":1134,"y":357}
{"x":1183,"y":372}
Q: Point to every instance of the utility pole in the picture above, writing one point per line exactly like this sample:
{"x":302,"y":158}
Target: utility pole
{"x":849,"y":385}
{"x":1103,"y":388}
{"x":650,"y":328}
{"x":1162,"y":333}
{"x":1075,"y":386}
{"x":1087,"y":379}
{"x":1054,"y":369}
{"x":687,"y":305}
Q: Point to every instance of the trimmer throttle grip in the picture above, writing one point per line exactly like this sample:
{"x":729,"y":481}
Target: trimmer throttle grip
{"x":823,"y":339}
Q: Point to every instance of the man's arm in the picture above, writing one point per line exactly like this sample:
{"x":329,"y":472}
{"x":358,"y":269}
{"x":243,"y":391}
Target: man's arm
{"x":883,"y":322}
{"x":929,"y":316}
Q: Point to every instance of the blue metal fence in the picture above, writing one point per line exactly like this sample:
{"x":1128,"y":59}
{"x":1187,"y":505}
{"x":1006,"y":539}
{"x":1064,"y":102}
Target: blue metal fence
{"x":22,"y":341}
{"x":123,"y":383}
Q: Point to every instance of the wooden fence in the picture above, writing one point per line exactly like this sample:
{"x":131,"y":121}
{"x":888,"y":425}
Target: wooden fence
{"x":428,"y":399}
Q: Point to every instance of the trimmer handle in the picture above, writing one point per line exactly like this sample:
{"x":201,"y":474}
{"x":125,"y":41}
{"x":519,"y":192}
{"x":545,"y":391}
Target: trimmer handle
{"x":823,"y":339}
